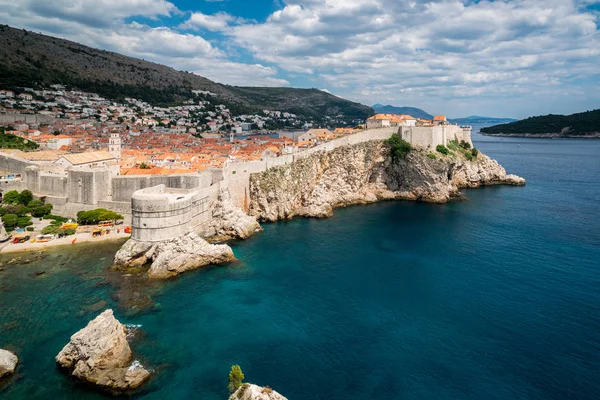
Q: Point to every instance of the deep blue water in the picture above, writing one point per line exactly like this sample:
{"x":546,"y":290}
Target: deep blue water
{"x":497,"y":297}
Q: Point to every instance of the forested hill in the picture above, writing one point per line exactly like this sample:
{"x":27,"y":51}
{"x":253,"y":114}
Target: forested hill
{"x":33,"y":60}
{"x":581,"y":124}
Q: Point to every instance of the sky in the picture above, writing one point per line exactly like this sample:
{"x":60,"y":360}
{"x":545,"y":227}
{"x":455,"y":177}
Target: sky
{"x":511,"y":58}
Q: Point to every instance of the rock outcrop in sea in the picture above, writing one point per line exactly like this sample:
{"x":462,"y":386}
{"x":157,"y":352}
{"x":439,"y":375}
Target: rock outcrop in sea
{"x":100,"y":355}
{"x":172,"y":257}
{"x":249,"y":391}
{"x":365,"y":173}
{"x":229,"y":222}
{"x":8,"y":363}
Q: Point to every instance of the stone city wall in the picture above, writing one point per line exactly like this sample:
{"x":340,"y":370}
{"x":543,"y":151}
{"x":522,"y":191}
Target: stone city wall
{"x":161,"y":213}
{"x":429,"y":137}
{"x":237,"y":175}
{"x":163,"y":207}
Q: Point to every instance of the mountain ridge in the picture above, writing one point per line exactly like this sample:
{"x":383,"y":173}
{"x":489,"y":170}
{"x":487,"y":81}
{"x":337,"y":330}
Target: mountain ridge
{"x":412,"y":111}
{"x":34,"y":60}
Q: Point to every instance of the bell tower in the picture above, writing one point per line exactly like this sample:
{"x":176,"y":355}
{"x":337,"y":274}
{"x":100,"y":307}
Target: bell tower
{"x":114,"y":145}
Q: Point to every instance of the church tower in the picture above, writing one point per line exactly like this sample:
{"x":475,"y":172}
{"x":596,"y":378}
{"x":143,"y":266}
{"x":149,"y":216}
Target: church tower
{"x":114,"y":145}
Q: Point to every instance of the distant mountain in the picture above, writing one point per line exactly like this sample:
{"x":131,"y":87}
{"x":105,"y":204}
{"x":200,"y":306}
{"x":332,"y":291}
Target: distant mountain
{"x":33,"y":60}
{"x":580,"y":124}
{"x":412,"y":111}
{"x":476,"y":119}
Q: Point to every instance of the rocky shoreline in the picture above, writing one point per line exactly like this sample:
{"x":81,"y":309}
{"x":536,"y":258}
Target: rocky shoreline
{"x":365,"y":173}
{"x":172,"y":257}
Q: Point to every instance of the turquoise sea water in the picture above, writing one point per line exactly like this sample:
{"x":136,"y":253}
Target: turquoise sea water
{"x":497,"y":297}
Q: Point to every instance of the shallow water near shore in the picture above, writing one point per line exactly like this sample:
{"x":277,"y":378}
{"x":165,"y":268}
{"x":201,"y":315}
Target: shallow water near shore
{"x":496,"y":297}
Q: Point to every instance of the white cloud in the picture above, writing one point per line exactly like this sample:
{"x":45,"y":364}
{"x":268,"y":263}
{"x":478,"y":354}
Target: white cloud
{"x":450,"y":56}
{"x":217,"y":22}
{"x":432,"y":51}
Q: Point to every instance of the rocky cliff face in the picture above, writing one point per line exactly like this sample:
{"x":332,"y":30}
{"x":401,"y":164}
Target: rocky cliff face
{"x":228,"y":222}
{"x":364,"y":173}
{"x":249,"y":391}
{"x":99,"y":354}
{"x":172,"y":257}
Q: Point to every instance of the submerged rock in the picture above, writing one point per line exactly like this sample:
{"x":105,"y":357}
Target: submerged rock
{"x":8,"y":363}
{"x":249,"y":391}
{"x":99,"y":354}
{"x":172,"y":257}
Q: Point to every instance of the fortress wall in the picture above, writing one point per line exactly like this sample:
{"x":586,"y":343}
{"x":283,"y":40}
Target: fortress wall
{"x":123,"y":187}
{"x":432,"y":136}
{"x":52,"y":185}
{"x":7,"y":185}
{"x":237,"y":175}
{"x":159,"y":213}
{"x":13,"y":164}
{"x":9,"y":118}
{"x":58,"y":205}
{"x":88,"y":186}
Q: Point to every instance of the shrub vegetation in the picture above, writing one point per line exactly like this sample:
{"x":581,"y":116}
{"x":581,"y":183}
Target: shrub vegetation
{"x":399,"y":148}
{"x":442,"y":149}
{"x":94,"y":216}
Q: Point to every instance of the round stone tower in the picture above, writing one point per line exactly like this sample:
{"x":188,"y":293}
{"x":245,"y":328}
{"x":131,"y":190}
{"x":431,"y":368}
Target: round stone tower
{"x":114,"y":145}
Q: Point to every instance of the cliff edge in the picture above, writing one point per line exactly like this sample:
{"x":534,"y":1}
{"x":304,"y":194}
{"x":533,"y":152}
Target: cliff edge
{"x":365,"y":173}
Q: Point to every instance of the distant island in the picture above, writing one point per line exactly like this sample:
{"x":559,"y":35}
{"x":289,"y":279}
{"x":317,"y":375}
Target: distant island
{"x":585,"y":124}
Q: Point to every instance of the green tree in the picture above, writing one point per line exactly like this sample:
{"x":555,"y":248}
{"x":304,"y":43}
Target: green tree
{"x":26,"y":196}
{"x":10,"y":220}
{"x":236,"y":377}
{"x":94,"y":216}
{"x":474,"y":152}
{"x":41,"y":211}
{"x":35,"y":204}
{"x":23,"y":222}
{"x":399,"y":148}
{"x":11,"y":197}
{"x":145,"y":166}
{"x":465,"y":145}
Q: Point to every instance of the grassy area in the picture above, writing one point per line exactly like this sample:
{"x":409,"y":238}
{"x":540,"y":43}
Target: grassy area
{"x":10,"y":141}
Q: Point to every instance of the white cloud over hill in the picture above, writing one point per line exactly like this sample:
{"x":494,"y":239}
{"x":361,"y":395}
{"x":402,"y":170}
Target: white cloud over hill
{"x":515,"y":57}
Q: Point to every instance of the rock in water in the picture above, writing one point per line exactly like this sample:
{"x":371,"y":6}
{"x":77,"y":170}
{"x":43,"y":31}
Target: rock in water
{"x":249,"y":391}
{"x":99,"y":354}
{"x":229,"y":222}
{"x":185,"y":253}
{"x":8,"y":363}
{"x":172,"y":257}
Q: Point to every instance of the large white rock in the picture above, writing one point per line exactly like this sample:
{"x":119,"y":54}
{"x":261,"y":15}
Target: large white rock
{"x":8,"y":363}
{"x":228,"y":221}
{"x":99,"y":354}
{"x":174,"y":256}
{"x":249,"y":391}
